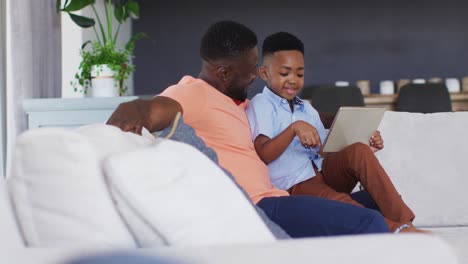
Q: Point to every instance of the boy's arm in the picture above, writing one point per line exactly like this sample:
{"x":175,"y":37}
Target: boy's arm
{"x":269,"y":149}
{"x":154,"y":115}
{"x":376,"y":142}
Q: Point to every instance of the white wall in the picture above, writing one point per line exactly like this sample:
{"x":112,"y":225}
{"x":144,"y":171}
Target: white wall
{"x":72,"y":39}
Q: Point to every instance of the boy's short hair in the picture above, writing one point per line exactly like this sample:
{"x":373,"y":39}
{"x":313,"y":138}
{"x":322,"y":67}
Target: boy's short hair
{"x":281,"y":41}
{"x":227,"y":39}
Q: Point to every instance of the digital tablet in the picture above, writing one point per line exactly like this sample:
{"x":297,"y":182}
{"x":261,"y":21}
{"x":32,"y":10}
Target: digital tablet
{"x":351,"y":125}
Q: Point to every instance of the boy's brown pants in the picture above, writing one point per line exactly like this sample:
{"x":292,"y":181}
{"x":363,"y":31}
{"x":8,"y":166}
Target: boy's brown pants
{"x":341,"y":172}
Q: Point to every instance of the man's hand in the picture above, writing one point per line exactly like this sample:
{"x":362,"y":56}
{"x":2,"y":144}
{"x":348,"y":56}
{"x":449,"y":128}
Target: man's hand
{"x":130,"y":116}
{"x":155,"y":114}
{"x":376,"y":142}
{"x":307,"y":134}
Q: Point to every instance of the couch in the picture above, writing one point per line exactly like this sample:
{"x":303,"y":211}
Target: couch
{"x":426,"y":157}
{"x":89,"y":191}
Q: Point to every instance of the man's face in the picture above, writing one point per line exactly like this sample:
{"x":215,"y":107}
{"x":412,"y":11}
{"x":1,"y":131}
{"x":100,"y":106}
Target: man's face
{"x":284,"y":73}
{"x":244,"y":72}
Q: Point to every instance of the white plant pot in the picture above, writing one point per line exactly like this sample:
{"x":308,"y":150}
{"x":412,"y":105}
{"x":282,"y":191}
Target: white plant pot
{"x":103,"y":83}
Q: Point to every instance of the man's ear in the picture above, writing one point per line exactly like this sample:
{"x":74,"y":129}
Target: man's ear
{"x":263,"y":72}
{"x":223,"y":72}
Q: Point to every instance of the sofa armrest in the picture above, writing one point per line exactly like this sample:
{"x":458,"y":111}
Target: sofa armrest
{"x":11,"y":236}
{"x":363,"y":249}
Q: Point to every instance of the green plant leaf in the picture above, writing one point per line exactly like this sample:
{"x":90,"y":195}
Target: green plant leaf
{"x":109,"y":11}
{"x":119,"y":13}
{"x":104,"y":39}
{"x":85,"y":44}
{"x":84,"y":22}
{"x":133,"y":7}
{"x":131,"y":43}
{"x":117,"y":33}
{"x":76,"y":5}
{"x":117,"y":60}
{"x":58,"y":5}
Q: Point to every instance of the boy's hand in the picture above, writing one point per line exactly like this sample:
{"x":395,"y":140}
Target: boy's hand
{"x":307,"y":134}
{"x":376,"y":142}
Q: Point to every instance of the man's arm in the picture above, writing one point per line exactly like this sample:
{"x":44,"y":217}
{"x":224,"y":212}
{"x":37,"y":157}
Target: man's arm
{"x":270,"y":149}
{"x":155,"y":114}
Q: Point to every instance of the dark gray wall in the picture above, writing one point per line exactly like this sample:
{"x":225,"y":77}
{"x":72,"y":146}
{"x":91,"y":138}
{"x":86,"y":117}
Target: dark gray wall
{"x":345,"y":40}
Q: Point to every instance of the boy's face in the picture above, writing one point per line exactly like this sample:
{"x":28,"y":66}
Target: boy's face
{"x":284,"y":73}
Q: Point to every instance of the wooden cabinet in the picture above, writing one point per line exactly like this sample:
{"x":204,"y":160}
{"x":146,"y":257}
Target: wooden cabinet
{"x":459,"y":101}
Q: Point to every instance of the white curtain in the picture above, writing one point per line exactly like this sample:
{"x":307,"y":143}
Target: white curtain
{"x":33,"y":60}
{"x":2,"y":88}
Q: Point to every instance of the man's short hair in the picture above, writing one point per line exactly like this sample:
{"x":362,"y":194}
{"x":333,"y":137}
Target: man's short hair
{"x":227,"y":39}
{"x":281,"y":41}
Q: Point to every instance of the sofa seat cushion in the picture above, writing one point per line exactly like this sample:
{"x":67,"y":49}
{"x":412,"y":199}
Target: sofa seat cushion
{"x":457,"y":237}
{"x":182,"y":195}
{"x":425,"y":155}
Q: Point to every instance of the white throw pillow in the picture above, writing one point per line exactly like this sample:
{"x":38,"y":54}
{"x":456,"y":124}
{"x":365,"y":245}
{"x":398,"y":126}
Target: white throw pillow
{"x":178,"y":191}
{"x":426,"y":157}
{"x":58,"y":188}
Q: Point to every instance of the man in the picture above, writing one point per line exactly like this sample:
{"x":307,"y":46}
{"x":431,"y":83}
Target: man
{"x":213,"y":104}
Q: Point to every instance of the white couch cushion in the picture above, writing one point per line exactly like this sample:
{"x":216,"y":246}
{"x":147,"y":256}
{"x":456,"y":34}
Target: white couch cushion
{"x":457,"y":237}
{"x":58,"y":188}
{"x":179,"y":192}
{"x":426,"y":157}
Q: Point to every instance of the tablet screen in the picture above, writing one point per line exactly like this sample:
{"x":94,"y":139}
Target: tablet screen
{"x":351,"y":125}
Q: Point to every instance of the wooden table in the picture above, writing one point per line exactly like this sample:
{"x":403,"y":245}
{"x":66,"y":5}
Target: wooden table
{"x":459,"y":101}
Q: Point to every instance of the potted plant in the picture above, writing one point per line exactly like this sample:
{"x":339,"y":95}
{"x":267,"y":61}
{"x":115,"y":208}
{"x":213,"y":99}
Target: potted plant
{"x":104,"y":67}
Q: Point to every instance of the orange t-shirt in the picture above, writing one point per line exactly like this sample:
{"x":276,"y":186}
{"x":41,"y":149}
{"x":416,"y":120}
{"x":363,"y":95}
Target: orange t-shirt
{"x":223,"y":126}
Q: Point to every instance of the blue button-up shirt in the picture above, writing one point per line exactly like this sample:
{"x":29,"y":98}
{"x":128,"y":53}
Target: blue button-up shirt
{"x":269,"y":115}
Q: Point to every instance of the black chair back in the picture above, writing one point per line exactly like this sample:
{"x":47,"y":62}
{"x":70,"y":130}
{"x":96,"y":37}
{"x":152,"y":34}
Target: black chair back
{"x":329,"y":98}
{"x":424,"y":98}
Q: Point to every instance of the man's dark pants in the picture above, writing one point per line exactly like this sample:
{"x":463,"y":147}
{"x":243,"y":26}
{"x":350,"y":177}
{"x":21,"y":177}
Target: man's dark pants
{"x":308,"y":216}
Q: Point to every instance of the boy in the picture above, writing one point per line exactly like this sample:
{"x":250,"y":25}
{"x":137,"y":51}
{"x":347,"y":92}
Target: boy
{"x":288,"y":136}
